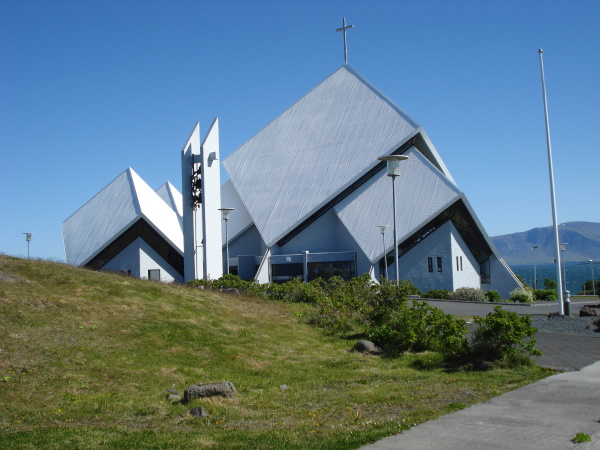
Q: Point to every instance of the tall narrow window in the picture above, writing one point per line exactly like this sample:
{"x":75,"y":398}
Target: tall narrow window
{"x":461,"y":267}
{"x":430,"y":264}
{"x":457,"y":266}
{"x":439,"y":263}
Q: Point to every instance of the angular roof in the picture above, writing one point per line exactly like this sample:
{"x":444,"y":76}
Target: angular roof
{"x":314,"y":150}
{"x":124,"y":201}
{"x":172,"y":197}
{"x":422,"y":192}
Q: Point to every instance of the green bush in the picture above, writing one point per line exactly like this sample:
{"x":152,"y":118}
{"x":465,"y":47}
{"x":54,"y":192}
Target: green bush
{"x":547,"y":295}
{"x":503,"y":334}
{"x":419,"y":327}
{"x":549,"y":283}
{"x":469,"y":294}
{"x":438,"y":294}
{"x":493,"y":296}
{"x":521,"y":295}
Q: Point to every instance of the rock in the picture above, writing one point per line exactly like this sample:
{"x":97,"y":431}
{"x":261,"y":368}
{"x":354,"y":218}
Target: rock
{"x":594,"y":326}
{"x":226,"y":389}
{"x":173,"y":391}
{"x":366,"y":347}
{"x":232,"y":291}
{"x":586,"y":311}
{"x":173,"y":398}
{"x":283,"y":387}
{"x":198,"y":411}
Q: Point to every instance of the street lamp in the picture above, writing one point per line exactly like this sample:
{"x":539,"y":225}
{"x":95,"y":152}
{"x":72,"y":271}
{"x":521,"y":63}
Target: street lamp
{"x":393,"y":170}
{"x":382,"y":230}
{"x":534,"y":268}
{"x":593,"y":281}
{"x":566,"y":293}
{"x":225,"y":212}
{"x":28,"y":239}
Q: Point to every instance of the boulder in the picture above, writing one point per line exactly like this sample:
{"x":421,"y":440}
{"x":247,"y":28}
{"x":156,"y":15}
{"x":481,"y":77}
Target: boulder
{"x":365,"y":346}
{"x":226,"y":389}
{"x":198,"y":411}
{"x":173,"y":398}
{"x":586,"y":311}
{"x":594,"y":326}
{"x":173,"y":391}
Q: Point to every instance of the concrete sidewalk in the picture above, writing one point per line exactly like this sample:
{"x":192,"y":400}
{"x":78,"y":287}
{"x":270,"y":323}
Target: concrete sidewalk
{"x":544,"y":415}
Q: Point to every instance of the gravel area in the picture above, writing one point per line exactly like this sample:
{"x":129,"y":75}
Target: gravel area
{"x":565,"y":325}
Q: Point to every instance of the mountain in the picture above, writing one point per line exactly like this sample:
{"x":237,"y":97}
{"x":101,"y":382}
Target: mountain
{"x":583,"y":239}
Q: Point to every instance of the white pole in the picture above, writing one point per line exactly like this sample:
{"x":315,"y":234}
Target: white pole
{"x":396,"y":262}
{"x":559,"y":283}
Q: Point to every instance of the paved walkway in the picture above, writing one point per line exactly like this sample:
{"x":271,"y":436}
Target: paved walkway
{"x":544,"y":415}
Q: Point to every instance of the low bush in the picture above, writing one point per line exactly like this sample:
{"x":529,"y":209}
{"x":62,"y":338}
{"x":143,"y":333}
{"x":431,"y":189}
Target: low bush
{"x":521,"y":295}
{"x":502,"y":334}
{"x":469,"y":294}
{"x":419,"y":327}
{"x":547,"y":295}
{"x":438,"y":294}
{"x":493,"y":296}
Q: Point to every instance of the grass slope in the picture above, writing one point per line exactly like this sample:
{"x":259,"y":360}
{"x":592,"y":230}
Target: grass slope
{"x":85,"y":358}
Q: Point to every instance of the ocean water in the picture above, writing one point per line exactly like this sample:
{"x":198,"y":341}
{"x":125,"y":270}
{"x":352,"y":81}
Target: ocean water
{"x":577,"y":273}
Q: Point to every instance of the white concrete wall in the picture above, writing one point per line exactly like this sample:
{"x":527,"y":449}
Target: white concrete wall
{"x":469,"y":275}
{"x":502,"y":280}
{"x":413,"y":264}
{"x":139,"y":257}
{"x":211,"y":202}
{"x":127,"y":259}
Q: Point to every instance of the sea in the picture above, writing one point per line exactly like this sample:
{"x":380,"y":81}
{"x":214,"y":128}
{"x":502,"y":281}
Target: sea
{"x":576,"y":274}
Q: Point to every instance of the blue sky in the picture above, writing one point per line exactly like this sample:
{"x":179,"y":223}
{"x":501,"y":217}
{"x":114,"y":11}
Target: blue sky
{"x":89,"y":88}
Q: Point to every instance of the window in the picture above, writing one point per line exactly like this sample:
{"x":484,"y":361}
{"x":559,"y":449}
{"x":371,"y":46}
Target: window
{"x":461,"y":267}
{"x":457,"y":266}
{"x":154,"y":274}
{"x":430,"y":264}
{"x":439,"y":263}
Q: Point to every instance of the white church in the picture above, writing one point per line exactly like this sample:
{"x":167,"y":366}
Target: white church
{"x":309,"y":195}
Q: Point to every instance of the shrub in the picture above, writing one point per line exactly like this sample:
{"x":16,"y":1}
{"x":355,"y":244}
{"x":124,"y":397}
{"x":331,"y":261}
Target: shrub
{"x":493,"y":296}
{"x":438,"y":294}
{"x":420,"y":327}
{"x":503,"y":334}
{"x":548,"y":295}
{"x":549,"y":283}
{"x":469,"y":294}
{"x":521,"y":295}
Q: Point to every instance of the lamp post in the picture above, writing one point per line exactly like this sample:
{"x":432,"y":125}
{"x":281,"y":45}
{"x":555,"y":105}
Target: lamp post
{"x":534,"y":268}
{"x":382,"y":230}
{"x":28,"y":239}
{"x":566,"y":293}
{"x":225,"y":212}
{"x":393,"y":170}
{"x":593,"y":281}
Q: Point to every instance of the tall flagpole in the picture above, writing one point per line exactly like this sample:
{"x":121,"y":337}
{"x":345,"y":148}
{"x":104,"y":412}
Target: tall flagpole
{"x":561,"y":310}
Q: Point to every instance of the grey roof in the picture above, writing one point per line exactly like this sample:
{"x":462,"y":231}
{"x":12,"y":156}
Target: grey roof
{"x":422,"y":192}
{"x":314,"y":150}
{"x":110,"y":212}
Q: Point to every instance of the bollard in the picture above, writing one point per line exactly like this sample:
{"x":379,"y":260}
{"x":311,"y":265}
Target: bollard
{"x":567,"y":303}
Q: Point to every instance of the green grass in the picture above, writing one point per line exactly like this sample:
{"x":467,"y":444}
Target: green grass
{"x":85,"y":358}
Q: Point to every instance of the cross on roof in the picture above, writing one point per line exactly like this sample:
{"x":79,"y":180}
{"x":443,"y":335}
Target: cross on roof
{"x":344,"y":28}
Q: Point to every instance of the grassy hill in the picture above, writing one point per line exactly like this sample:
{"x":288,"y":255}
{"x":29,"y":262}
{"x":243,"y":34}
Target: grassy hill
{"x":85,"y":358}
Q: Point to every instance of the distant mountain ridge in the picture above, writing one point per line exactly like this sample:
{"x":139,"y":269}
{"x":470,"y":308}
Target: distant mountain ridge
{"x":583,"y":239}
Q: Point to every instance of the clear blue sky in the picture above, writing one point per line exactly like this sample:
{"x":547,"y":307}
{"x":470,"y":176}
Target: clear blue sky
{"x":88,"y":88}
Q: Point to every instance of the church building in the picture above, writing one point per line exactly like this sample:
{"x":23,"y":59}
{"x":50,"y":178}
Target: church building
{"x":310,"y":199}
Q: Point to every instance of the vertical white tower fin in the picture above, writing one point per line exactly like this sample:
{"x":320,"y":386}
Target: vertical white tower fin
{"x":192,"y":216}
{"x":211,"y":202}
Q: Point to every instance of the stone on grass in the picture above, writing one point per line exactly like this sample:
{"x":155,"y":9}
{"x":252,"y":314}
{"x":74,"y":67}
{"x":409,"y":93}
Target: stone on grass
{"x":173,"y":391}
{"x":232,"y":291}
{"x":226,"y":389}
{"x":283,"y":387}
{"x":365,"y":346}
{"x":198,"y":411}
{"x":173,"y":398}
{"x":586,"y":311}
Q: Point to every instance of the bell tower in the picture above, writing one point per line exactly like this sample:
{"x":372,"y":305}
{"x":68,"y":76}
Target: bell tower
{"x":201,"y":191}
